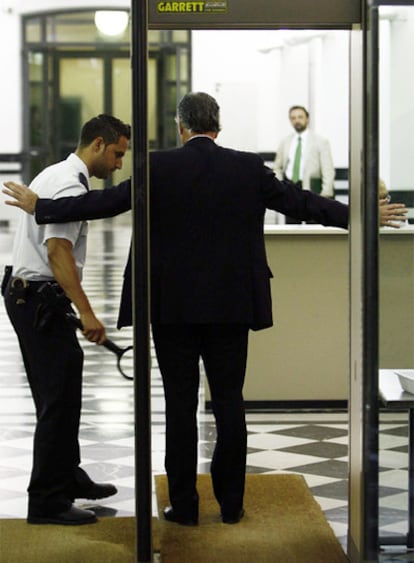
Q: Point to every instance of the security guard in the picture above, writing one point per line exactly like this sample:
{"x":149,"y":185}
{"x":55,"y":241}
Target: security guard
{"x":51,"y":352}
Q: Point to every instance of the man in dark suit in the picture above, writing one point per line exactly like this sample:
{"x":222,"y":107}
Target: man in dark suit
{"x":210,"y":284}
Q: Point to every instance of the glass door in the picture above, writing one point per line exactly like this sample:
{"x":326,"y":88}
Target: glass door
{"x":72,"y":72}
{"x":122,"y":107}
{"x":79,"y":95}
{"x":85,"y":86}
{"x":396,"y":277}
{"x":382,"y":289}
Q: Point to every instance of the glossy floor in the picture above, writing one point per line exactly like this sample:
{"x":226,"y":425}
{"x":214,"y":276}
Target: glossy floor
{"x":313,"y":444}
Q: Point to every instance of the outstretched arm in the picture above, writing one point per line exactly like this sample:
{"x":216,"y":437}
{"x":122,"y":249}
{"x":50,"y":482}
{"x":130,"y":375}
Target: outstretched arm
{"x":288,"y":199}
{"x":95,"y":204}
{"x":98,"y":204}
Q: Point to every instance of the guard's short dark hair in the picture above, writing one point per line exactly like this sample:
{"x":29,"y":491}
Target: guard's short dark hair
{"x":106,"y":126}
{"x":199,"y":113}
{"x":299,"y":107}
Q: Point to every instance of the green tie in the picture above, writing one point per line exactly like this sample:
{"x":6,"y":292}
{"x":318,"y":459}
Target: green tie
{"x":296,"y":163}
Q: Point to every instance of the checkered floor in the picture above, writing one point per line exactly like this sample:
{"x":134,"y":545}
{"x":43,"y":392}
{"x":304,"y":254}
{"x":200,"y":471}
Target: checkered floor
{"x":313,"y":444}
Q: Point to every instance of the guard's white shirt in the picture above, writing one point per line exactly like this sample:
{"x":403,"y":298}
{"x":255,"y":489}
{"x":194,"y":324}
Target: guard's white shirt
{"x":292,"y":153}
{"x":30,"y":260}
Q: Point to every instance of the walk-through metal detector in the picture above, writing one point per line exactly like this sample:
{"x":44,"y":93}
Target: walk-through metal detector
{"x":361,"y":18}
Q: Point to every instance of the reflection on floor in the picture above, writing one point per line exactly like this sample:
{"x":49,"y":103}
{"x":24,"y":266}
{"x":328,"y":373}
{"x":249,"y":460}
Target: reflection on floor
{"x":313,"y":444}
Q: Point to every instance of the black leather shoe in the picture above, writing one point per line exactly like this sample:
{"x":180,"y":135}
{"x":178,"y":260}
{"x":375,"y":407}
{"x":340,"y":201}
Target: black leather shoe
{"x":232,"y":518}
{"x":93,"y":491}
{"x":172,"y":516}
{"x":72,"y":517}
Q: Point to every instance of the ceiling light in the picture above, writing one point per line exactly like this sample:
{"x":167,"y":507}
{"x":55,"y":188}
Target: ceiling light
{"x":111,"y":22}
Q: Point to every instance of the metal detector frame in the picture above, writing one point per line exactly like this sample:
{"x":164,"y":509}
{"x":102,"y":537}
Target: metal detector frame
{"x":263,"y":14}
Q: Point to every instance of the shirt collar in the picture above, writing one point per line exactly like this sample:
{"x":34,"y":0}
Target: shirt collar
{"x":303,"y":135}
{"x":200,"y":136}
{"x":78,"y":164}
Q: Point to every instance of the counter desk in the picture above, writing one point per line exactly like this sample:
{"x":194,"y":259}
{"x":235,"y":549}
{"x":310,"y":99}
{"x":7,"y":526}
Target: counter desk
{"x":303,"y":359}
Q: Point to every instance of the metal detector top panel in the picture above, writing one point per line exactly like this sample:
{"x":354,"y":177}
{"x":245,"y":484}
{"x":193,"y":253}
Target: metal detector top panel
{"x":245,"y":14}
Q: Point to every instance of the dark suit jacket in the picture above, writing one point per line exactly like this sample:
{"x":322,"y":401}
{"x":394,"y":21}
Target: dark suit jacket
{"x":207,"y":205}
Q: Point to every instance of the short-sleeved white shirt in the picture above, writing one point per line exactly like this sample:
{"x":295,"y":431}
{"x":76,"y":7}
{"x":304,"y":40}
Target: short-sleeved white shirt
{"x":30,"y":260}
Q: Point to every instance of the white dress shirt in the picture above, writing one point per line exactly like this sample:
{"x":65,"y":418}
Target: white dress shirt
{"x":30,"y":260}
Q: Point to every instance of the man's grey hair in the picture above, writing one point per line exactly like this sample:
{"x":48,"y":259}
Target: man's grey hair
{"x":198,"y":112}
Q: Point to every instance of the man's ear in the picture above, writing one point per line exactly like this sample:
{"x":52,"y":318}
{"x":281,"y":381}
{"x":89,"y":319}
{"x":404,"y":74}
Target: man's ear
{"x":98,"y":144}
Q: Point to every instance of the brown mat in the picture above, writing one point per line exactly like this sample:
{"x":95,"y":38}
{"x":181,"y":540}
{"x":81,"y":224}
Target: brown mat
{"x":111,"y":540}
{"x":283,"y":524}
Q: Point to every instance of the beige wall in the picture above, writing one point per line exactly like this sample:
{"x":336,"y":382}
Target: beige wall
{"x":397,"y":300}
{"x":304,"y":356}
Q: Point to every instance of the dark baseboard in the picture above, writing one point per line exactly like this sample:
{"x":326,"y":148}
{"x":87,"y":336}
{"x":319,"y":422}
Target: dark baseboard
{"x":270,"y":406}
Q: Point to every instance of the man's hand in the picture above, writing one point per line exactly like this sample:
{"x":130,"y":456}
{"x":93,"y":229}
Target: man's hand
{"x":93,"y":329}
{"x":23,"y":196}
{"x":65,"y":272}
{"x":391,"y":214}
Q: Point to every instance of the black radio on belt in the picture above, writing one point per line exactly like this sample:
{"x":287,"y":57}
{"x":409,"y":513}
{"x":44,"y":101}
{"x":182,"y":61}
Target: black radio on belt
{"x":18,"y":290}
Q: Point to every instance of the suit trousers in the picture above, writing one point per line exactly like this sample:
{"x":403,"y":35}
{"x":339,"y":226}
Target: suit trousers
{"x":223,"y":349}
{"x":53,"y":360}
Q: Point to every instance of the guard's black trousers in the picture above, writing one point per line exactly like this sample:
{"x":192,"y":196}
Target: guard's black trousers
{"x":53,"y":361}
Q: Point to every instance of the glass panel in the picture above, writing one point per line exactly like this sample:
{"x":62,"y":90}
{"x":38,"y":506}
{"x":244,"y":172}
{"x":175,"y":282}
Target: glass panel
{"x":122,"y":108}
{"x":83,"y":78}
{"x":78,"y":91}
{"x":37,"y":116}
{"x":180,"y":36}
{"x":396,"y":255}
{"x":396,"y":125}
{"x":171,"y":133}
{"x":79,"y":27}
{"x":171,"y":67}
{"x":152,"y":102}
{"x":184,"y":64}
{"x":35,"y":67}
{"x":154,"y":37}
{"x":33,"y":30}
{"x":172,"y":98}
{"x":73,"y":28}
{"x":81,"y":96}
{"x":397,"y":102}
